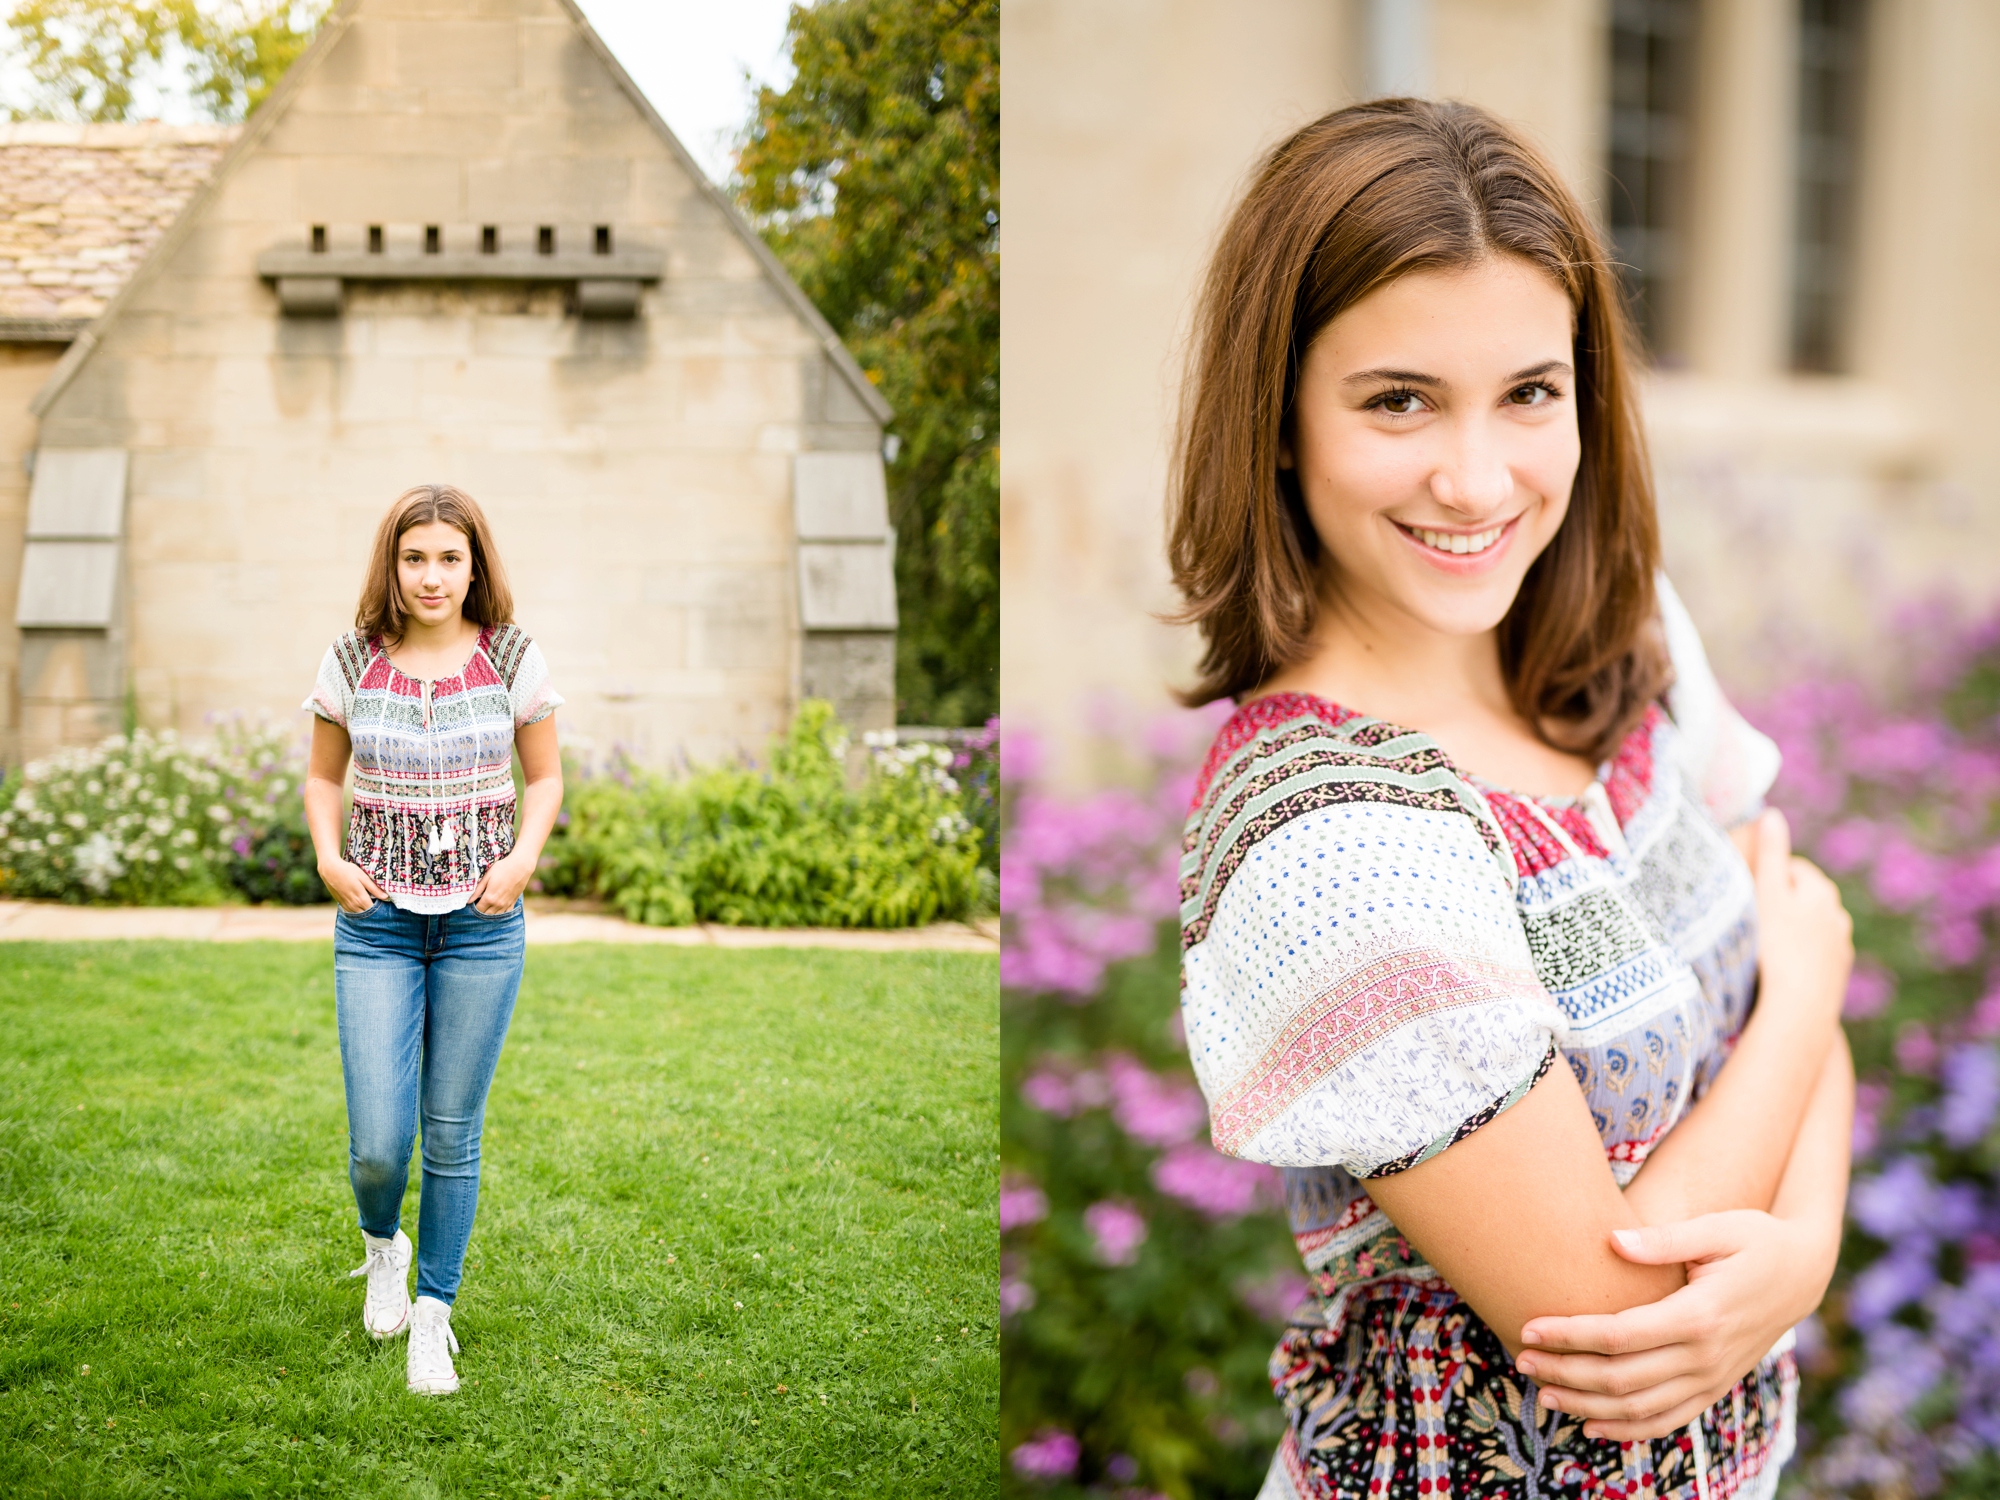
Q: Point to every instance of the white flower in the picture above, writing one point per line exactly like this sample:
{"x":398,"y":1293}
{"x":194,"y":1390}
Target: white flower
{"x":76,"y":820}
{"x":218,"y":812}
{"x":180,"y":861}
{"x":98,"y":863}
{"x":23,"y":802}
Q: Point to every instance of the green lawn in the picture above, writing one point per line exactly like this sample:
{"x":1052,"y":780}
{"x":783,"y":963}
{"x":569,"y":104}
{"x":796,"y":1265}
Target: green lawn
{"x":737,"y":1232}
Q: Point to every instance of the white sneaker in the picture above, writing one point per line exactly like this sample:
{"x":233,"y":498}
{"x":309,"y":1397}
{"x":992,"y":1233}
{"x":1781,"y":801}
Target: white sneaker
{"x":385,"y":1312}
{"x":431,"y":1348}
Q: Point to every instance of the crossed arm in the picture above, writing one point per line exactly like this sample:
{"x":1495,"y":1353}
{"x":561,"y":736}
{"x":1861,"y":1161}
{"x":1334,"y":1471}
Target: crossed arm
{"x":1636,"y":1308}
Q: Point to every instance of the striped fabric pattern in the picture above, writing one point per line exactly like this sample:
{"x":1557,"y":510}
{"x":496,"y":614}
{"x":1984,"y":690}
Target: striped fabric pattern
{"x":1380,"y":954}
{"x":433,"y":761}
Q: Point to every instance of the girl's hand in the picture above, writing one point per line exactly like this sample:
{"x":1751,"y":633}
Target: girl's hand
{"x":501,"y":886}
{"x":1805,"y":939}
{"x":1649,"y":1370}
{"x":351,"y":886}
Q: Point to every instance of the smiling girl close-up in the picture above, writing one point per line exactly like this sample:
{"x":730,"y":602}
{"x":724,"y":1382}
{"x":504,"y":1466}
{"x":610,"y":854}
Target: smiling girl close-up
{"x":1487,"y":939}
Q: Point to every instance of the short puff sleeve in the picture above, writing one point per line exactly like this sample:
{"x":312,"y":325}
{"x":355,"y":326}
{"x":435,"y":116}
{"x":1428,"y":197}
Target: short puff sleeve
{"x":1361,"y":993}
{"x":340,"y":672}
{"x":529,"y":693}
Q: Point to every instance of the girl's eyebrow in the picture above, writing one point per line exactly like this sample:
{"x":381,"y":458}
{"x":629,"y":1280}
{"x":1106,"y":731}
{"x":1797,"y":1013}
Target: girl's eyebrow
{"x":1417,"y":377}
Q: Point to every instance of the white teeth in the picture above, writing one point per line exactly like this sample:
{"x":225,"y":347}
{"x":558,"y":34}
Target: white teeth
{"x":1458,"y":543}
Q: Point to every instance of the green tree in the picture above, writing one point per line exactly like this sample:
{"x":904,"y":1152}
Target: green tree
{"x":875,"y":176}
{"x":89,"y":58}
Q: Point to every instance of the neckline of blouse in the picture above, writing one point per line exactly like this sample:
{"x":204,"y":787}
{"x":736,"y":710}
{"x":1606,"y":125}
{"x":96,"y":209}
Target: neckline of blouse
{"x":1472,"y":778}
{"x":478,"y":645}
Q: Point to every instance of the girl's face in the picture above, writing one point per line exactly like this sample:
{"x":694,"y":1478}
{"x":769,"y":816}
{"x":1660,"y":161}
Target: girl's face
{"x":1435,"y":442}
{"x":434,"y":570}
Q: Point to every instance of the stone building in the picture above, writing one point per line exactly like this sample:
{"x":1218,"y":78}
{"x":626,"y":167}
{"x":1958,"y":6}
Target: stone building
{"x":456,"y":244}
{"x":1803,"y":190}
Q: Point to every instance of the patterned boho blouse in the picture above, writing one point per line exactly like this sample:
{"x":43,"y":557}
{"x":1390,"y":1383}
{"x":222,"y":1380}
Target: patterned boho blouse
{"x":433,"y":761}
{"x":1381,"y":953}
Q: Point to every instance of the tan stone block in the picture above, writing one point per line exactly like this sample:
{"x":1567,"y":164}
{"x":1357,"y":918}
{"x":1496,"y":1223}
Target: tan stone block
{"x":355,"y":189}
{"x":549,"y":190}
{"x":441,"y":54}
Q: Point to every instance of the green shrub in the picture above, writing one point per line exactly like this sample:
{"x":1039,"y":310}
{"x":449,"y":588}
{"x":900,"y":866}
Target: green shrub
{"x":794,"y":845}
{"x":150,"y":820}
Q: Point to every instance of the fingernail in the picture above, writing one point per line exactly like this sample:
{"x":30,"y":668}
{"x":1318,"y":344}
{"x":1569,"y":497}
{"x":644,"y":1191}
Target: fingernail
{"x":1530,"y":1336}
{"x":1549,"y":1400}
{"x":1627,"y":1238}
{"x":1525,"y":1365}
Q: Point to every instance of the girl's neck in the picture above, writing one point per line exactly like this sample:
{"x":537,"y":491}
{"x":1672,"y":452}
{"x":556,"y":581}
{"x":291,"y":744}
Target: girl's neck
{"x":432,"y":651}
{"x":1398,"y":669}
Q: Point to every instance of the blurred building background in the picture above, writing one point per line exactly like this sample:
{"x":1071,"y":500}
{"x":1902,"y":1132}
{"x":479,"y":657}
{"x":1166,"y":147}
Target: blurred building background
{"x":456,"y":244}
{"x":1802,"y":192}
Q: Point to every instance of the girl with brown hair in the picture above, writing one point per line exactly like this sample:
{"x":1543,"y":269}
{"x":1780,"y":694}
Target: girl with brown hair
{"x":1485,"y":941}
{"x":432,"y":694}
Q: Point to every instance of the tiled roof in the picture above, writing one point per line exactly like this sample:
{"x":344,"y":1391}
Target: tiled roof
{"x":80,"y":205}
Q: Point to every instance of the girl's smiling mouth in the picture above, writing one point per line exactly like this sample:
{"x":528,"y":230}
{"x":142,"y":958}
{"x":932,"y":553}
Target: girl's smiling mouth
{"x":1460,"y":551}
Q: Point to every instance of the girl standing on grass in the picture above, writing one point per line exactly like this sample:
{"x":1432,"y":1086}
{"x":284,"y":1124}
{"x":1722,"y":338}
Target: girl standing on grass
{"x":432,"y":694}
{"x":1485,"y":942}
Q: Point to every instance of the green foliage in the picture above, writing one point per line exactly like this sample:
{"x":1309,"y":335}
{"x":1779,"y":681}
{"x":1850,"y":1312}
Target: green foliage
{"x":89,"y":58}
{"x":792,"y":846}
{"x":735,"y":1235}
{"x":876,"y":178}
{"x":148,"y":820}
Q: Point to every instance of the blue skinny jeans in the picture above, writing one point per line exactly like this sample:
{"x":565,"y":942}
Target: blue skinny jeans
{"x":423,"y":1004}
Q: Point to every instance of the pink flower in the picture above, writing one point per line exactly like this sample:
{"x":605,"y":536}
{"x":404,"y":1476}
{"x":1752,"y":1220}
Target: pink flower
{"x":1021,"y":1202}
{"x":1153,"y":1110}
{"x":1905,"y":876}
{"x":1916,"y":1048}
{"x":1214,"y":1185}
{"x":1117,"y":1230}
{"x":1049,"y":1454}
{"x":1049,"y":1092}
{"x":1274,"y":1295}
{"x":1985,"y":1021}
{"x":1870,"y":988}
{"x":1016,"y":1295}
{"x":1869,"y":1101}
{"x":1847,"y":845}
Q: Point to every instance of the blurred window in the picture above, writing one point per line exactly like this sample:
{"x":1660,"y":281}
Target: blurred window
{"x":1652,"y":99}
{"x":1831,"y":39}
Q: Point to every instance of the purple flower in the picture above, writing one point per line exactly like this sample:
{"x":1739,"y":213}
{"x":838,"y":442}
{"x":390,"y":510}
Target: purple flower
{"x":1049,"y":1092}
{"x":1214,"y":1185}
{"x":1847,"y":845}
{"x":1021,"y":1202}
{"x":1117,"y":1230}
{"x":1971,"y":1094}
{"x":1122,"y":1467}
{"x":1905,"y":876}
{"x":1016,"y":1295}
{"x":1870,"y":988}
{"x":1870,"y":1099}
{"x":1893,"y":1201}
{"x":1916,"y":1048}
{"x":1274,"y":1295}
{"x":1899,"y":1278}
{"x":1049,"y":1454}
{"x":1153,"y":1110}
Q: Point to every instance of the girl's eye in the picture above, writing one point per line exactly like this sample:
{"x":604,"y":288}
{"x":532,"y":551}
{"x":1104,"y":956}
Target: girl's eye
{"x":1399,"y":403}
{"x":1535,"y":393}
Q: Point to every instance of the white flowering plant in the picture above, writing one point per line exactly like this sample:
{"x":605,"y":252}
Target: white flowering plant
{"x":144,"y":819}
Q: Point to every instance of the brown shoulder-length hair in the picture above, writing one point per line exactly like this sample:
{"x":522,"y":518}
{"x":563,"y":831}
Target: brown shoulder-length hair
{"x":1346,"y":205}
{"x":487,"y":602}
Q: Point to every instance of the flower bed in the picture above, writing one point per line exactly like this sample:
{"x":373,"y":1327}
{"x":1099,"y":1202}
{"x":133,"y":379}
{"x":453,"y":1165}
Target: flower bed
{"x":1142,"y":1273}
{"x":152,"y":820}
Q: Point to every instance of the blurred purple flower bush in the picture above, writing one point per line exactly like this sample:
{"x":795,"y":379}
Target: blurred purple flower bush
{"x":1142,"y":1273}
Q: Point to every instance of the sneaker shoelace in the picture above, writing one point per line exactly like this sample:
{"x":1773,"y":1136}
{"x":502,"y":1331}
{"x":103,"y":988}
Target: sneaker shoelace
{"x":379,"y":1258}
{"x":424,"y":1333}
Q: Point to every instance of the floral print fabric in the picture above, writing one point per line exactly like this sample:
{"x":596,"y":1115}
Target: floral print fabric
{"x":1381,"y":954}
{"x":433,"y":762}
